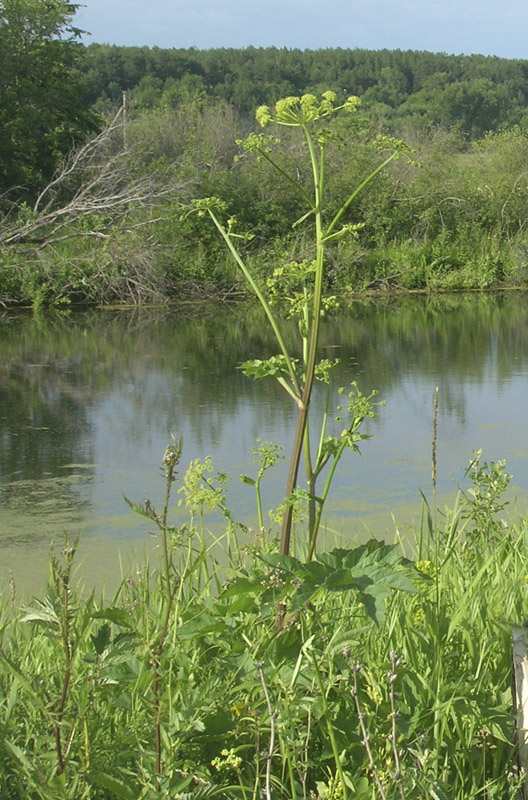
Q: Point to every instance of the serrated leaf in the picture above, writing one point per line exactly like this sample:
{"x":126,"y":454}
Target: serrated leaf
{"x":40,"y":615}
{"x":19,"y":754}
{"x":372,"y":552}
{"x":144,"y":511}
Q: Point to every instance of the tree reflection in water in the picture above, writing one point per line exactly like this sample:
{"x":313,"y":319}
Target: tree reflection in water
{"x":87,"y":401}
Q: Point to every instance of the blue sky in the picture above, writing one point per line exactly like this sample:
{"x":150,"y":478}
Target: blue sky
{"x":489,"y":27}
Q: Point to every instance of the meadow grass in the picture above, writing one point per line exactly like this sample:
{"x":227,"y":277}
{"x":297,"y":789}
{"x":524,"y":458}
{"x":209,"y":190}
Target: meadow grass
{"x":389,"y":678}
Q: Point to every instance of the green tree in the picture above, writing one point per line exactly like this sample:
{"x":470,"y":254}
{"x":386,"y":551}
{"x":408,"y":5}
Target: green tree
{"x":42,"y":115}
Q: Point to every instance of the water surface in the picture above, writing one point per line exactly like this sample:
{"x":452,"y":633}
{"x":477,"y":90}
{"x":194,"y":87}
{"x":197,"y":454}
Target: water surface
{"x":88,"y":401}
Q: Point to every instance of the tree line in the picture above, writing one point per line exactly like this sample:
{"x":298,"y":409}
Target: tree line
{"x":103,"y":149}
{"x":475,"y":94}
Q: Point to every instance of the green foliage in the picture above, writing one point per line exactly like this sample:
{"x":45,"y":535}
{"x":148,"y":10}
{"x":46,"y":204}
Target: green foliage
{"x":473,"y":93}
{"x":41,"y":112}
{"x":389,"y":678}
{"x":458,"y":222}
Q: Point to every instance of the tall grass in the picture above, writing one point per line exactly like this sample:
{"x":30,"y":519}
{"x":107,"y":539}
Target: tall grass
{"x":390,"y":677}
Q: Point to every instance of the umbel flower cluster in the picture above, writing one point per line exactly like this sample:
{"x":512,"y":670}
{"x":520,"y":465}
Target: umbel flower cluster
{"x":298,"y":111}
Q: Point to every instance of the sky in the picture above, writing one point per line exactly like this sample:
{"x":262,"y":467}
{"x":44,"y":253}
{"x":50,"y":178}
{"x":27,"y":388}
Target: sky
{"x":489,"y":27}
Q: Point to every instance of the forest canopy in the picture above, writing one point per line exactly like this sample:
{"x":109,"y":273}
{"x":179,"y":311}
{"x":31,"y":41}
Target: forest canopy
{"x":43,"y":114}
{"x":474,"y":94}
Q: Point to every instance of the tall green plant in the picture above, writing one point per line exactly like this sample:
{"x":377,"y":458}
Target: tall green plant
{"x":301,"y":286}
{"x":169,"y":584}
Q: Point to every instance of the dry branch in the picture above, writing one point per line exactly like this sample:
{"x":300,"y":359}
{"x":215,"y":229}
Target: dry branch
{"x":97,"y":189}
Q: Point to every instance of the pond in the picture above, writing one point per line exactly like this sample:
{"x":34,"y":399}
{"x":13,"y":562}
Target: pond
{"x":88,"y":401}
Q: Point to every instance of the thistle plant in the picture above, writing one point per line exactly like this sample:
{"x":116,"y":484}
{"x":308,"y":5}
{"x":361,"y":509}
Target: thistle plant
{"x":300,"y":285}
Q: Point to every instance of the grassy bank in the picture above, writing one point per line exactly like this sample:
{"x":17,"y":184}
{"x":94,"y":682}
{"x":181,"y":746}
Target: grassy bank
{"x":453,"y":218}
{"x":388,"y":675}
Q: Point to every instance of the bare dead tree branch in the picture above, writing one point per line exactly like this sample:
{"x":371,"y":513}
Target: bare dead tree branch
{"x":98,"y":188}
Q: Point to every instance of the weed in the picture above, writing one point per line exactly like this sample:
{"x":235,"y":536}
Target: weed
{"x":389,"y":679}
{"x":299,"y":285}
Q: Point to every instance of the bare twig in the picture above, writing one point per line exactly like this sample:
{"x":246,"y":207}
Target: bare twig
{"x":97,"y":180}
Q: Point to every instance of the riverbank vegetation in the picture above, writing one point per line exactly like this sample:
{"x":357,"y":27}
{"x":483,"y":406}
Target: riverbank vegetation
{"x":152,"y":129}
{"x":230,"y":666}
{"x":390,"y":676}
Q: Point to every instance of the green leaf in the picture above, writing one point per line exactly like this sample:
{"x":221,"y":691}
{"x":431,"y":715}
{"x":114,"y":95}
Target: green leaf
{"x":289,"y":564}
{"x":101,"y":640}
{"x":18,"y":753}
{"x":371,"y":552}
{"x":396,"y":579}
{"x":125,"y":790}
{"x":13,"y":670}
{"x":287,"y":644}
{"x":258,"y":368}
{"x":242,"y":604}
{"x":200,"y":626}
{"x":145,"y":510}
{"x":342,"y":579}
{"x":438,"y":792}
{"x":243,"y":586}
{"x":117,"y":615}
{"x":343,"y":640}
{"x":374,"y":604}
{"x":363,"y":789}
{"x":46,"y":613}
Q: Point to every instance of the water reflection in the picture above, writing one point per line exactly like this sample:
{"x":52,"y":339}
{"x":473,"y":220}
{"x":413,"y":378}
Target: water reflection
{"x":87,"y":402}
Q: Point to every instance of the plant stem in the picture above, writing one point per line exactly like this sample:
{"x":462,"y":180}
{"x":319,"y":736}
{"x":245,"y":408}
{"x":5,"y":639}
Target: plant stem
{"x":170,"y":460}
{"x":271,"y":748}
{"x":262,"y":300}
{"x":309,"y":369}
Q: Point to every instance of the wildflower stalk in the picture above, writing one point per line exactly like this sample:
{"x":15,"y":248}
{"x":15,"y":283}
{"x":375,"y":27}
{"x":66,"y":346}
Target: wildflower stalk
{"x":330,"y":727}
{"x":61,"y":580}
{"x":273,"y":717}
{"x":170,"y":460}
{"x":303,"y":113}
